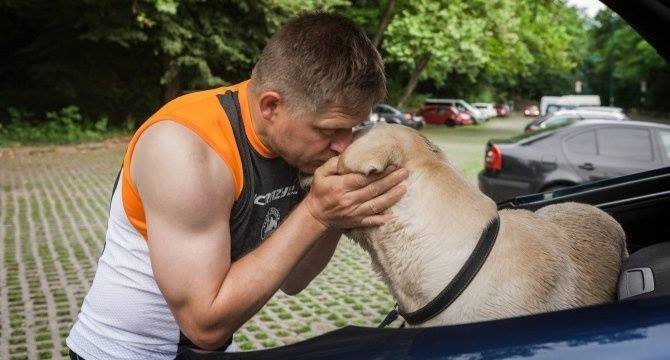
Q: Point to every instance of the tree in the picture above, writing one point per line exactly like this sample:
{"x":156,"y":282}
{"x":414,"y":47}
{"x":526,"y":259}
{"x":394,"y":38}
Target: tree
{"x":429,"y":39}
{"x":384,"y":23}
{"x":633,"y":60}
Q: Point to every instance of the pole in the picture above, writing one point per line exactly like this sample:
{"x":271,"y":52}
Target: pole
{"x":611,"y":60}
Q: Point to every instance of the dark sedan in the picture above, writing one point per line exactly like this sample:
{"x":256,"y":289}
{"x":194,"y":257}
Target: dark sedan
{"x":560,"y":157}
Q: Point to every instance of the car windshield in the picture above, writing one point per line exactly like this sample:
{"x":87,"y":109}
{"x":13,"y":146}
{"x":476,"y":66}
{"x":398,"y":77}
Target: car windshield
{"x":559,"y":121}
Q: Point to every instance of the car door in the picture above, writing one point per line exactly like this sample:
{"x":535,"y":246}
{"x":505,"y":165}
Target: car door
{"x":581,"y":151}
{"x":625,"y":150}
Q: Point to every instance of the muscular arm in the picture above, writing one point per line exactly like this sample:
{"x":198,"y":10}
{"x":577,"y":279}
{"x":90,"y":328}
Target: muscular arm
{"x":187,"y":193}
{"x":312,"y":264}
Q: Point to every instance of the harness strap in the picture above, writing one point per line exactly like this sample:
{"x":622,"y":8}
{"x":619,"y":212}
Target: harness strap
{"x":457,"y":285}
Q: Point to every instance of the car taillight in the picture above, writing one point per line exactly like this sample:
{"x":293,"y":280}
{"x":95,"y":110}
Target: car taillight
{"x":493,"y":158}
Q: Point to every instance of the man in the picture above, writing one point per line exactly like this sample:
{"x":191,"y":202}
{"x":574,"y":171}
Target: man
{"x":199,"y":235}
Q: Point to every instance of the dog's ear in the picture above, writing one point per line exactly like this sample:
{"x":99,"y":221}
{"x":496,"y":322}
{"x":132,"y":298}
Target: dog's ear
{"x":369,"y":156}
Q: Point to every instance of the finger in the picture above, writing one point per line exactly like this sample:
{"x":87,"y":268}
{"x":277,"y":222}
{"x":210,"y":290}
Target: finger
{"x":381,"y":203}
{"x":355,"y":181}
{"x":378,"y":187}
{"x":328,"y":168}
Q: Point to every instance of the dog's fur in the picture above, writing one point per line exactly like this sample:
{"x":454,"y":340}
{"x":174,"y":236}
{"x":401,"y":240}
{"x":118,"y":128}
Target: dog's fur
{"x":558,"y":257}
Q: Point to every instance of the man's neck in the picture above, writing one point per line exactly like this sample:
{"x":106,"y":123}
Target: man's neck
{"x":257,"y":118}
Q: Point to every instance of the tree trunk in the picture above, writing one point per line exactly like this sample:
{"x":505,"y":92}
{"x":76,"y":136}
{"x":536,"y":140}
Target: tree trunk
{"x":414,"y":79}
{"x":384,"y":23}
{"x":172,"y":88}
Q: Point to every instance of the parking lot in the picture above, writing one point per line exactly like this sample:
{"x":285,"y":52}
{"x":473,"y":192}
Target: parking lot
{"x":53,"y":204}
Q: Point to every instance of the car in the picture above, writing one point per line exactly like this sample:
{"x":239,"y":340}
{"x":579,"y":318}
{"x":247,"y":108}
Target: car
{"x":636,"y":326}
{"x":487,"y":109}
{"x":443,"y":114}
{"x":391,"y":115}
{"x":502,"y":110}
{"x":611,"y":109}
{"x":531,"y":110}
{"x":562,"y":117}
{"x":462,"y":106}
{"x":567,"y":155}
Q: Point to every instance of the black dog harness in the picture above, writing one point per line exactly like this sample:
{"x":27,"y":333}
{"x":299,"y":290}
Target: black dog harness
{"x":456,"y":286}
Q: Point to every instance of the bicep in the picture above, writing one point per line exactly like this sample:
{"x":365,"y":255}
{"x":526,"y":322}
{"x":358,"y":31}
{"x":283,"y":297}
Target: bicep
{"x":187,"y":192}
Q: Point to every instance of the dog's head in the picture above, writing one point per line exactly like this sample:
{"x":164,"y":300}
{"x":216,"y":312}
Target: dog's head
{"x":376,"y":148}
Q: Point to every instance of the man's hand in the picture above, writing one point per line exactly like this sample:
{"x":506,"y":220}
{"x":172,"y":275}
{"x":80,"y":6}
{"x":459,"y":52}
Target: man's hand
{"x":353,"y":200}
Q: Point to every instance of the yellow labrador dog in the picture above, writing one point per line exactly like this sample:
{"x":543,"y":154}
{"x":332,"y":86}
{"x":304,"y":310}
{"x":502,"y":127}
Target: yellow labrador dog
{"x":561,"y":256}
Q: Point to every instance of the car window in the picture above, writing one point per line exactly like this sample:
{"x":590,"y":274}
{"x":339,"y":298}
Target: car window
{"x":558,"y":121}
{"x":382,"y":110}
{"x":584,"y":143}
{"x":552,"y":108}
{"x":622,"y":143}
{"x":665,"y":142}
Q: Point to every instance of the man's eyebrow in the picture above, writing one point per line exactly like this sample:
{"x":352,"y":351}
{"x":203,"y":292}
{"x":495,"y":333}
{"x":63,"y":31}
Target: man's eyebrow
{"x":334,"y":125}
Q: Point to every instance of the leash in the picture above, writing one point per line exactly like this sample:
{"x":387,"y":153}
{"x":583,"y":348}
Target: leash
{"x":456,"y":286}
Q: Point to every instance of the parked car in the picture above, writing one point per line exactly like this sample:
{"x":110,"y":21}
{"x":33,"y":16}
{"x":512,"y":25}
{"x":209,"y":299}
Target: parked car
{"x":612,"y":109}
{"x":391,"y":115}
{"x":487,"y":109}
{"x":587,"y":150}
{"x":502,"y":110}
{"x":531,"y":110}
{"x":462,"y":106}
{"x":563,"y":117}
{"x":636,"y":326}
{"x":443,"y":114}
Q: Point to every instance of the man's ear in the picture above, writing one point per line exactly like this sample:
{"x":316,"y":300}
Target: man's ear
{"x":268,"y":103}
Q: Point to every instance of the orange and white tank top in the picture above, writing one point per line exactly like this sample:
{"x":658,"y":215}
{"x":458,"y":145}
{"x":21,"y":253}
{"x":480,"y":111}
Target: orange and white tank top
{"x":124,"y":314}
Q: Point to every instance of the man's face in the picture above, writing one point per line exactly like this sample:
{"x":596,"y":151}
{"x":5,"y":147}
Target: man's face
{"x":309,"y":140}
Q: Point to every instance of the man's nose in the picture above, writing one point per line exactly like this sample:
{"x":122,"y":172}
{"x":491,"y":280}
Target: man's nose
{"x":341,"y":140}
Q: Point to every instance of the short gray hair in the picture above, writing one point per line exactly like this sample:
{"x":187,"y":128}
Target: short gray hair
{"x":317,"y":60}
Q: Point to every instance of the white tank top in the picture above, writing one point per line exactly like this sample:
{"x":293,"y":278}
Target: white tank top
{"x":124,"y":314}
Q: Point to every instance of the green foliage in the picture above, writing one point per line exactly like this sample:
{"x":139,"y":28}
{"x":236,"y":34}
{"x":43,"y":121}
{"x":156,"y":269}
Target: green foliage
{"x":622,"y":59}
{"x":122,"y":59}
{"x":66,"y":125}
{"x":439,"y":29}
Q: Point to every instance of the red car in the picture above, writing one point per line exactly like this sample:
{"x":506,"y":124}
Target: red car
{"x":531,"y":110}
{"x":502,"y":110}
{"x":443,"y":114}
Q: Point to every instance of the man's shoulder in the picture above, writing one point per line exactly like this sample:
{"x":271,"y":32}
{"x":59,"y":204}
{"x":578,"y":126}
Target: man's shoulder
{"x":169,"y":152}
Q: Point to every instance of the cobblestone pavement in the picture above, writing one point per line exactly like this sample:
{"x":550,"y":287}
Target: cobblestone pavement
{"x":53,"y":212}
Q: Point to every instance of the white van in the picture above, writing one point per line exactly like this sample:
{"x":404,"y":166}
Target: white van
{"x":550,"y":104}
